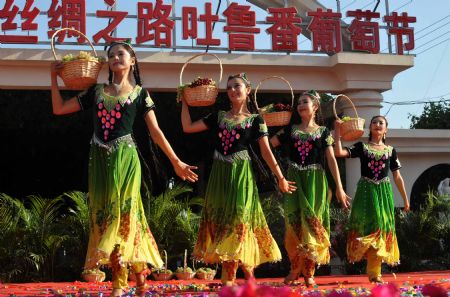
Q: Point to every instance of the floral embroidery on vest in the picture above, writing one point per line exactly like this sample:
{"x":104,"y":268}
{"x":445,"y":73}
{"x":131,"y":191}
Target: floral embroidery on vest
{"x":110,"y":108}
{"x":303,"y":141}
{"x":231,"y":131}
{"x":378,"y":158}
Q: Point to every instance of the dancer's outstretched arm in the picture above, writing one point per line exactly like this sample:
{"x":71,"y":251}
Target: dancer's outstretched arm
{"x":183,"y":170}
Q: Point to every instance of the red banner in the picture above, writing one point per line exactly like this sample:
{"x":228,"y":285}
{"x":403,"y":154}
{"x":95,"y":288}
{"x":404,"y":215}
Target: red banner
{"x":155,"y":26}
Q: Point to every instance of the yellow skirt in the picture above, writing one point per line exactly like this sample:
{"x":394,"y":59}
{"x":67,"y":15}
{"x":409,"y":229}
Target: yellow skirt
{"x":115,"y":207}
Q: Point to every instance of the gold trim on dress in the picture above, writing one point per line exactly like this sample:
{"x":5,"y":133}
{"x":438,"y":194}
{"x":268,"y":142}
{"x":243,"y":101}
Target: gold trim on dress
{"x":112,"y":145}
{"x":298,"y":167}
{"x":241,"y":155}
{"x":374,"y":181}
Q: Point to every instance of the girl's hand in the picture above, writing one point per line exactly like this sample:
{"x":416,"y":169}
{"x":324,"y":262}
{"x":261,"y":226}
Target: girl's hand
{"x":406,"y":207}
{"x":337,"y":127}
{"x":343,"y":198}
{"x":286,"y":186}
{"x":184,"y":171}
{"x":182,"y":99}
{"x":56,"y":67}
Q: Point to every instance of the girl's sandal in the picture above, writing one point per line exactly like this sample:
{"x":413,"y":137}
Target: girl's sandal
{"x":290,"y":278}
{"x":309,"y":282}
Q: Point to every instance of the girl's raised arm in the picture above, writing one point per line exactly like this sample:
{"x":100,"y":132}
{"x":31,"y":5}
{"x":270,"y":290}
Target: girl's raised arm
{"x":59,"y":105}
{"x":338,"y":150}
{"x":186,"y":122}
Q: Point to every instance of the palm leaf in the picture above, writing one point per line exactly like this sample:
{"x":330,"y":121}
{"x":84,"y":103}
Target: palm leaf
{"x":12,"y":211}
{"x":197,"y":201}
{"x":79,"y":212}
{"x":44,"y":212}
{"x":35,"y":260}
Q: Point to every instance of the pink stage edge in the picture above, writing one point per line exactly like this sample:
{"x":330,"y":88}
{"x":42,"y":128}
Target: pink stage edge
{"x":407,"y":284}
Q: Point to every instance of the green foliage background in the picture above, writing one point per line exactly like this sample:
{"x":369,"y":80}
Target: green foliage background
{"x":434,"y":116}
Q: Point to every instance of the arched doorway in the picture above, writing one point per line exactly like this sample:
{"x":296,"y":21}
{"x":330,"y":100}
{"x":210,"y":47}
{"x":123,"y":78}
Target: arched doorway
{"x":428,"y":180}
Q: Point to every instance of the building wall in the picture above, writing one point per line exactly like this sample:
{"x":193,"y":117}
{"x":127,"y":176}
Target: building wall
{"x":362,"y":77}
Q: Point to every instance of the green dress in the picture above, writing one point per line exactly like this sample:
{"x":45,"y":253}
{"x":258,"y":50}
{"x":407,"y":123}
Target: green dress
{"x":115,"y":206}
{"x":372,"y":222}
{"x":307,"y":209}
{"x":233,"y":226}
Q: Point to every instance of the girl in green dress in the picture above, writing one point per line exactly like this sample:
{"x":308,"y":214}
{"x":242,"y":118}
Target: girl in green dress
{"x":307,"y":237}
{"x":371,"y":225}
{"x":115,"y":207}
{"x":233,"y":230}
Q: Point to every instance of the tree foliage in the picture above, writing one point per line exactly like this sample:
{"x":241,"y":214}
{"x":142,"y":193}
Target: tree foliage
{"x":30,"y":236}
{"x":434,"y":116}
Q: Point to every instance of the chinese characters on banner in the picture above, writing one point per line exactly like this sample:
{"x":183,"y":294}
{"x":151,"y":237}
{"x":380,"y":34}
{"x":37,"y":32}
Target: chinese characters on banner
{"x":154,"y":24}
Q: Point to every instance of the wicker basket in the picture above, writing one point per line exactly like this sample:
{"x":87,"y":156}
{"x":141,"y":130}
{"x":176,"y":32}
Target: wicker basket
{"x":202,"y":95}
{"x":277,"y":118}
{"x":205,"y":275}
{"x":94,"y":277}
{"x":78,"y":74}
{"x":161,"y":276}
{"x":185,"y":275}
{"x":352,"y":129}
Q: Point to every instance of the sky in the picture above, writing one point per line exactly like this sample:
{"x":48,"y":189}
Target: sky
{"x":428,"y":80}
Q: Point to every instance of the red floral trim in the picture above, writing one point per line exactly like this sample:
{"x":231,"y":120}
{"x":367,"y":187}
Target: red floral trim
{"x":264,"y":238}
{"x":317,"y":228}
{"x":124,"y":229}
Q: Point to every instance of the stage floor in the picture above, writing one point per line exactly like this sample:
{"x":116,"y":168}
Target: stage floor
{"x":409,"y":284}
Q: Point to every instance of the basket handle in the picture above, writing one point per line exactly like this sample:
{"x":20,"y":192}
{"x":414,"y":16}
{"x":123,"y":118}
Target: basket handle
{"x":198,"y":55}
{"x":165,"y":258}
{"x":278,"y":77}
{"x":345,"y":97}
{"x":69,"y":29}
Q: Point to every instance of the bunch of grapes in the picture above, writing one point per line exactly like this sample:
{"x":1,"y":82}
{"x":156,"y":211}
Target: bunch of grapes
{"x":282,"y":107}
{"x":83,"y":56}
{"x":346,"y":119}
{"x":68,"y":58}
{"x":202,"y":82}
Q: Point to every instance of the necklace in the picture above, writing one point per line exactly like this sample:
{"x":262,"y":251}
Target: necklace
{"x":309,"y":129}
{"x":232,"y":114}
{"x":118,"y":87}
{"x":377,"y":144}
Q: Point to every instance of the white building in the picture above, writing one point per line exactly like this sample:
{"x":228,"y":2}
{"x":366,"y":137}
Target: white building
{"x":363,"y":77}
